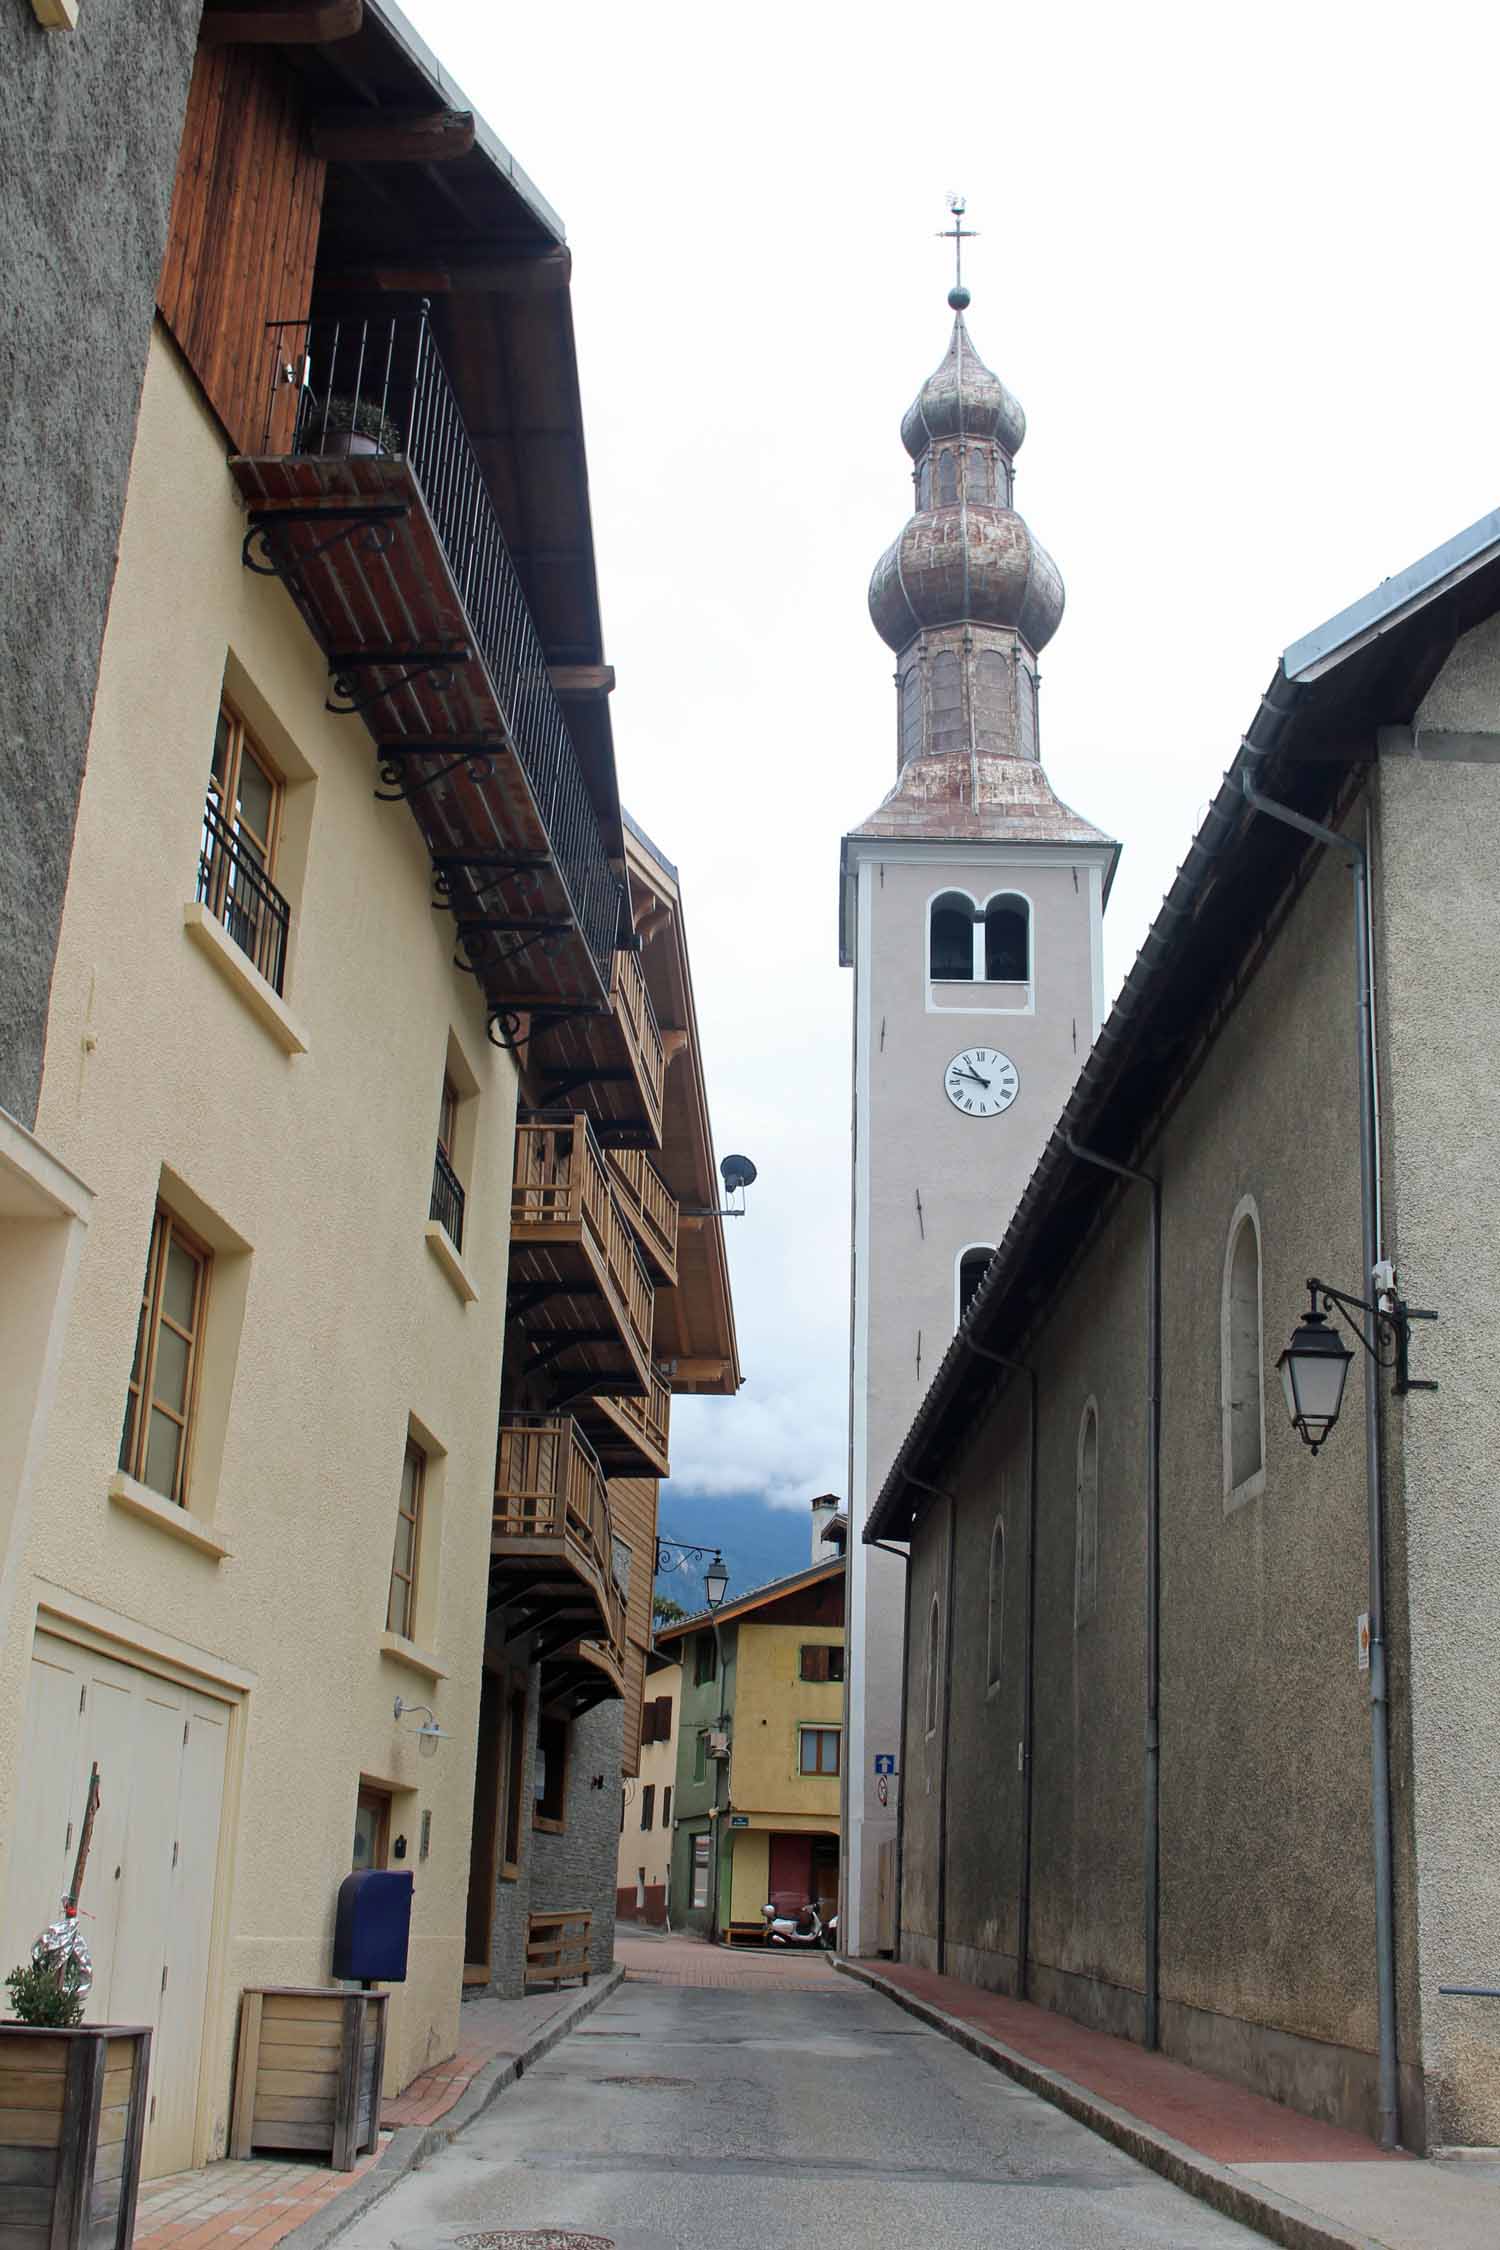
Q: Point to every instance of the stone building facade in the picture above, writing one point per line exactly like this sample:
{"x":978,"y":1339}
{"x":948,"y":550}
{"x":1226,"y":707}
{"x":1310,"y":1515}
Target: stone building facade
{"x":88,"y":144}
{"x":1155,"y":1651}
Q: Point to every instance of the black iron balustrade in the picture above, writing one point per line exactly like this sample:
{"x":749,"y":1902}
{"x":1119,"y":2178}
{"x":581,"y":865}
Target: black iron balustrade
{"x":237,"y":891}
{"x":447,"y":1200}
{"x":378,"y":387}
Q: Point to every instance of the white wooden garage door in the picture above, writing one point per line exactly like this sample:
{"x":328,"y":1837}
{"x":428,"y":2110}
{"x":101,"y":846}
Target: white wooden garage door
{"x":147,"y":1901}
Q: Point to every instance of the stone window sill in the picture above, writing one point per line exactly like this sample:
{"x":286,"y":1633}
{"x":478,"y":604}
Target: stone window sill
{"x":243,"y":978}
{"x":454,"y":1271}
{"x":139,"y":1500}
{"x":402,"y":1651}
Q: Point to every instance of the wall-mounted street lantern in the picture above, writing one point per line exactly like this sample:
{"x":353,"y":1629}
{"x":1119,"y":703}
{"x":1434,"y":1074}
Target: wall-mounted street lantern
{"x":1315,"y":1365}
{"x":429,"y":1734}
{"x":672,"y":1554}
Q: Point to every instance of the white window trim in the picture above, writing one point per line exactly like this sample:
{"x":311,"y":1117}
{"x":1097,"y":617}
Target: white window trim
{"x":1251,"y":1488}
{"x":960,"y":988}
{"x":964,"y":1251}
{"x":1080,"y":1614}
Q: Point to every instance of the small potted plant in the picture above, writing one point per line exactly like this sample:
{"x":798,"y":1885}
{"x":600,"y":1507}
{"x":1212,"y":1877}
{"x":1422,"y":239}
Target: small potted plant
{"x":73,"y":2117}
{"x":342,"y":426}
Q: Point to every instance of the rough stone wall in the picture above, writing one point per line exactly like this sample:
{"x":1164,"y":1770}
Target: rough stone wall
{"x":577,"y":1868}
{"x":89,"y":125}
{"x":1439,"y":962}
{"x":1267,"y":1918}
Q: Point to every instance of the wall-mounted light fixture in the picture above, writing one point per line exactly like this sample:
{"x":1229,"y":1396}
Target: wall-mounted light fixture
{"x":671,"y":1554}
{"x":1315,"y":1365}
{"x":429,"y":1734}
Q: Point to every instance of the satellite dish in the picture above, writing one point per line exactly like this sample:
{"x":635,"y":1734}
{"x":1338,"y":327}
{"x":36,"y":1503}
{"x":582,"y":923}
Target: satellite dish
{"x":737,"y":1172}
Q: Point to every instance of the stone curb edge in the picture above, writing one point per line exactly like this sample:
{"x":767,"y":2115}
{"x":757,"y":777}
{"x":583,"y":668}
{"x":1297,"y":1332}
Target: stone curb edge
{"x":1280,"y":2220}
{"x":411,"y":2145}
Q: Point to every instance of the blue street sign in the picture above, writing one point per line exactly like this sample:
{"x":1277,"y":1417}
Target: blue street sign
{"x":884,"y":1762}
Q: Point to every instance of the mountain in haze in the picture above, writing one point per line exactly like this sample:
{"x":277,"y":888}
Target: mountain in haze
{"x":758,"y":1543}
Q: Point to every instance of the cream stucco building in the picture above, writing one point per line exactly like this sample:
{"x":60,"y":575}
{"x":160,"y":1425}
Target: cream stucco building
{"x":643,"y":1874}
{"x":333,"y":1396}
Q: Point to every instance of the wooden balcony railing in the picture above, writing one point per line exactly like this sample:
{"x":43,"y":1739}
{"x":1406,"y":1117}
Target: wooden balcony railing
{"x":562,"y":1190}
{"x":637,"y":1019}
{"x":650,"y":1206}
{"x":550,"y":1491}
{"x":643,"y":1422}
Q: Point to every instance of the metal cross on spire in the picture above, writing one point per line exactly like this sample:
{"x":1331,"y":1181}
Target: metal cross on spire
{"x":958,"y":234}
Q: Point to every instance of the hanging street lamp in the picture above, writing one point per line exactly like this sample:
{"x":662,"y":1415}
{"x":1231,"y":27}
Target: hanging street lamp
{"x":1315,"y":1365}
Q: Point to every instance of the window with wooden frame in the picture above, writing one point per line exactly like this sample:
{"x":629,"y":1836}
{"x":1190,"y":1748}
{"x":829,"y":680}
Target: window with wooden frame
{"x":156,"y":1441}
{"x":700,"y":1755}
{"x":821,"y":1660}
{"x":648,"y":1807}
{"x":515,"y":1784}
{"x":550,"y":1792}
{"x":401,"y":1605}
{"x":818,"y":1750}
{"x":241,"y":836}
{"x":447,"y":1205}
{"x":666,"y":1806}
{"x":705,"y":1660}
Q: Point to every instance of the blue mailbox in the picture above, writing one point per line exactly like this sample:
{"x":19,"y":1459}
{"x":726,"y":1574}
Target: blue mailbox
{"x":372,"y":1926}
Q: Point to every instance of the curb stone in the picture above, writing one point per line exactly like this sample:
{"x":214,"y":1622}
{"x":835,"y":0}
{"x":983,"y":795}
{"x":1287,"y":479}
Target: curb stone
{"x":1279,"y":2219}
{"x":411,"y":2145}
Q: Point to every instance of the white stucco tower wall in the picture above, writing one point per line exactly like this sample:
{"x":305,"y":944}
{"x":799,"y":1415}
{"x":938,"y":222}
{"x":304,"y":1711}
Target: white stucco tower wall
{"x":970,"y":839}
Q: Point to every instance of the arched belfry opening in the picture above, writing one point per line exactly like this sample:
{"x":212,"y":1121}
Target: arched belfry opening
{"x":1007,"y":940}
{"x":951,"y":938}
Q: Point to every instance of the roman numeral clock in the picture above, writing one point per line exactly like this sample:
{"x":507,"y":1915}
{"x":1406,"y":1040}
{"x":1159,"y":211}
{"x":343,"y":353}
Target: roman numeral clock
{"x":981,"y":1082}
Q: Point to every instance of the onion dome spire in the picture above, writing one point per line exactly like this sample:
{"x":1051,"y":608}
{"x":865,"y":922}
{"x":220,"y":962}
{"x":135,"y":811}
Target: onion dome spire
{"x":967,"y":597}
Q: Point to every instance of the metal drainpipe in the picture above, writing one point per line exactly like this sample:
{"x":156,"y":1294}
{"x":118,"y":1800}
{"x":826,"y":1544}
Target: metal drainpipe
{"x":1028,"y":1675}
{"x":1380,"y":1770}
{"x":1152,"y":1903}
{"x":902,"y":1555}
{"x":942,"y":1871}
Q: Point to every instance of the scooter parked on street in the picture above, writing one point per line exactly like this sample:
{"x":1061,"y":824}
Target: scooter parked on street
{"x":806,"y":1928}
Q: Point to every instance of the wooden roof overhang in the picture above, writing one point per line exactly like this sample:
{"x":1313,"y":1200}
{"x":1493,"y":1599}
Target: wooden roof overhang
{"x":695,"y":1340}
{"x":1311,"y":744}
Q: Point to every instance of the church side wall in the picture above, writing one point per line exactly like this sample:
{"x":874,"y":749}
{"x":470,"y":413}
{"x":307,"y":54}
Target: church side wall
{"x":1439,"y":958}
{"x":1267,"y":1916}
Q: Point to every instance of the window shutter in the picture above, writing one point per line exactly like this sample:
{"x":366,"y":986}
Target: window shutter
{"x":814,"y":1661}
{"x":663,"y":1718}
{"x":648,"y":1723}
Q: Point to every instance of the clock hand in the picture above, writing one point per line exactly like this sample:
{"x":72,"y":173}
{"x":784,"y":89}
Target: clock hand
{"x":984,"y":1082}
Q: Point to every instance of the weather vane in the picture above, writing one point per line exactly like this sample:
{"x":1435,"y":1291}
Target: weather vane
{"x":958,"y":234}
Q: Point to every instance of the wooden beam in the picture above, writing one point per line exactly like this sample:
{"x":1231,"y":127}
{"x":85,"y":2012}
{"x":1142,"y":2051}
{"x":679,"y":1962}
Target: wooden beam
{"x":583,"y":682}
{"x":391,"y":136}
{"x":508,"y":277}
{"x":316,"y":24}
{"x":699,"y":1370}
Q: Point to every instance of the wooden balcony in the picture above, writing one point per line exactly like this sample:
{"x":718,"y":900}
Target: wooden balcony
{"x":578,"y":1284}
{"x":367,"y":499}
{"x":651,"y":1209}
{"x":630,"y":1433}
{"x":552,"y":1556}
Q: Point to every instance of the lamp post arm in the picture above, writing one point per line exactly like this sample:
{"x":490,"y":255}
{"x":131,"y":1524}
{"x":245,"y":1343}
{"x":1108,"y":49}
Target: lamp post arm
{"x":1393,"y":1314}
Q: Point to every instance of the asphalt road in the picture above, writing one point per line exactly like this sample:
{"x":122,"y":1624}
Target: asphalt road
{"x":691,"y":2119}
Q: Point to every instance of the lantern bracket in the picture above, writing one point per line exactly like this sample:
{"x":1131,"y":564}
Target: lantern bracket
{"x":1390,"y":1343}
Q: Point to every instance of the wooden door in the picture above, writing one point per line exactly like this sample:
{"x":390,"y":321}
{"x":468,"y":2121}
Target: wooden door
{"x":147,"y":1900}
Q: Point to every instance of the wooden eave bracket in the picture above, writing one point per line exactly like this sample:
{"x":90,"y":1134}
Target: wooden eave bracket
{"x":317,"y":24}
{"x":581,"y":683}
{"x":391,"y":136}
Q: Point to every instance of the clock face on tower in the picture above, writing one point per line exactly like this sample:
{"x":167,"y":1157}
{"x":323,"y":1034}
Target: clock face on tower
{"x":981,"y":1082}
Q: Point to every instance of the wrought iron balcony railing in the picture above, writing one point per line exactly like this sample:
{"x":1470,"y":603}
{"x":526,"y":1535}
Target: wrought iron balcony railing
{"x":447,"y":1199}
{"x":356,"y":389}
{"x":237,"y":892}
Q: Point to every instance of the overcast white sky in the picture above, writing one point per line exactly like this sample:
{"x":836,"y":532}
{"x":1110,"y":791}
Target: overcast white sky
{"x":1240,"y":268}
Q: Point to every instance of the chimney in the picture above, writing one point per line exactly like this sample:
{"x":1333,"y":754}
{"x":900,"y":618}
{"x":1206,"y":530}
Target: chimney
{"x":824,"y":1509}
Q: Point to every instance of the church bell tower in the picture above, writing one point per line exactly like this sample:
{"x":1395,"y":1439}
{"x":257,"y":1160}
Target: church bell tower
{"x":971,"y":907}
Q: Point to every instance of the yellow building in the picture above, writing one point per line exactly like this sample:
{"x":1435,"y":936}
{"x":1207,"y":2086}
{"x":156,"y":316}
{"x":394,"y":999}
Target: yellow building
{"x":349,"y":874}
{"x":759,"y":1754}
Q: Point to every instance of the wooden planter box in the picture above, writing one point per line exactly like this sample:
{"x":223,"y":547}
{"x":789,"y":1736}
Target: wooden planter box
{"x":72,"y":2117}
{"x":309,"y":2071}
{"x":557,"y":1946}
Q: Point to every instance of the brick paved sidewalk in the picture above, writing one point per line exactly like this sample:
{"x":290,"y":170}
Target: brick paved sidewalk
{"x":654,"y":1957}
{"x":250,"y":2204}
{"x":1300,"y":2181}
